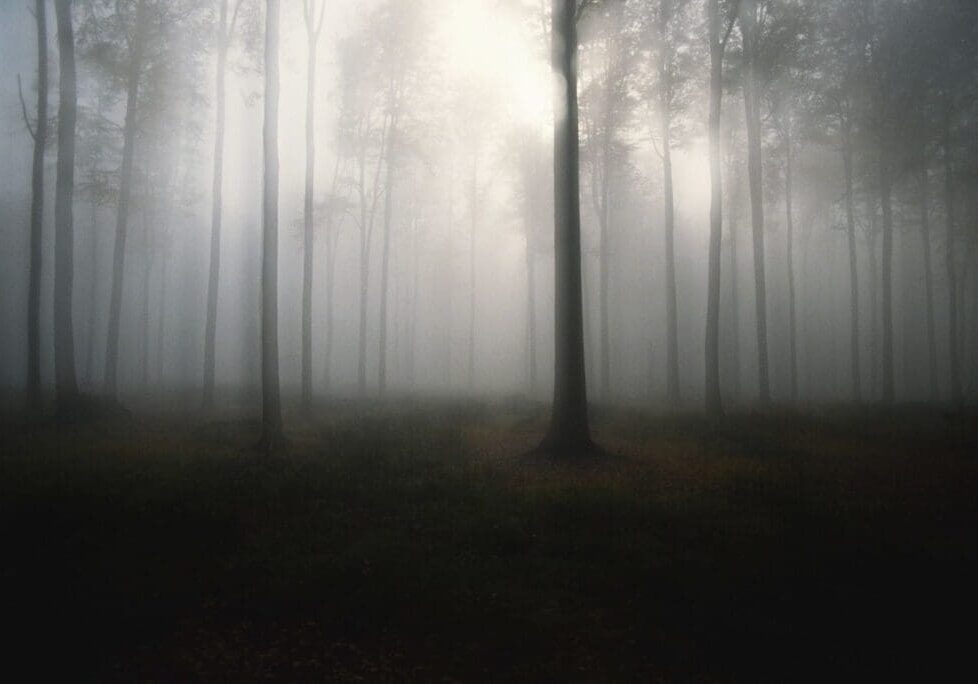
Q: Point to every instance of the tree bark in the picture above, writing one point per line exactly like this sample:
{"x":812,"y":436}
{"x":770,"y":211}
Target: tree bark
{"x":669,"y":216}
{"x":932,"y":379}
{"x":217,"y":194}
{"x":714,"y":403}
{"x":886,"y":202}
{"x":64,"y":343}
{"x":125,"y":193}
{"x":271,"y":401}
{"x":957,"y":395}
{"x":308,"y":236}
{"x":569,"y":431}
{"x":854,"y":349}
{"x":755,"y":177}
{"x":40,"y":136}
{"x":790,"y":229}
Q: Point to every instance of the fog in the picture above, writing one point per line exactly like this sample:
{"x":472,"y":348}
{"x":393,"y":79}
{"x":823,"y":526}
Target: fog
{"x":433,"y":134}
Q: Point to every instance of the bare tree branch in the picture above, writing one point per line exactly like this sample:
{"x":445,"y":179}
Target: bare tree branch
{"x":23,"y":109}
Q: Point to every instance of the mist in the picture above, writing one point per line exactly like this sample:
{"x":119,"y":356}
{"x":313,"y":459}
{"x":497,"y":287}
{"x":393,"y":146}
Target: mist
{"x":628,"y":234}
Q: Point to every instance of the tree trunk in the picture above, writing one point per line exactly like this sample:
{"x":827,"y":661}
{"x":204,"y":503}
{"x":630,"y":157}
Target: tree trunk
{"x":308,"y":241}
{"x":957,"y":395}
{"x":886,"y":202}
{"x":604,"y":277}
{"x":64,"y":343}
{"x":714,"y":404}
{"x":385,"y":261}
{"x":40,"y":135}
{"x":92,"y":298}
{"x":531,"y":314}
{"x":932,"y":380}
{"x":569,"y":431}
{"x":474,"y":211}
{"x":669,"y":211}
{"x":854,"y":350}
{"x":125,"y":192}
{"x":754,"y":174}
{"x":271,"y":401}
{"x":217,"y":194}
{"x":874,"y":307}
{"x":790,"y":229}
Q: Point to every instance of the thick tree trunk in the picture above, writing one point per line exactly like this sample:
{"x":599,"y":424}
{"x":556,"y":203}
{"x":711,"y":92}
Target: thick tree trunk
{"x":957,"y":394}
{"x":271,"y":401}
{"x":64,"y":342}
{"x":854,"y":349}
{"x":40,"y":135}
{"x":308,"y":237}
{"x":790,"y":229}
{"x":569,"y":432}
{"x":714,"y":404}
{"x":755,"y":177}
{"x":217,"y":194}
{"x":125,"y":193}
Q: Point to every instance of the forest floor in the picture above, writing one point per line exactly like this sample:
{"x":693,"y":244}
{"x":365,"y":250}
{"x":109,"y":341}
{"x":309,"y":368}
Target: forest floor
{"x":411,"y":543}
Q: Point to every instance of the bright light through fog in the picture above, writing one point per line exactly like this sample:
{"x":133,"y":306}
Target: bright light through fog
{"x":493,"y":47}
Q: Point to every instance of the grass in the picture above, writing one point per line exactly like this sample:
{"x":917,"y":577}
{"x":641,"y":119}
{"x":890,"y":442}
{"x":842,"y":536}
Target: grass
{"x":411,"y":543}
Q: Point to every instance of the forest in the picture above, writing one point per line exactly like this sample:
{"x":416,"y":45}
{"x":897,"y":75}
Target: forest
{"x":489,"y":340}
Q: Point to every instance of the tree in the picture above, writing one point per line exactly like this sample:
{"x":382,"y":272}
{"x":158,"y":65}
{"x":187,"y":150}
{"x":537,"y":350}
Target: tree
{"x":225,"y":33}
{"x":314,"y":26}
{"x":569,"y":433}
{"x":39,"y":134}
{"x":717,"y":39}
{"x":272,"y":435}
{"x":64,"y":343}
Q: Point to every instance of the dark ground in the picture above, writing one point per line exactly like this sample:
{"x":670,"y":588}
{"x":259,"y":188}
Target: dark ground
{"x":411,"y":543}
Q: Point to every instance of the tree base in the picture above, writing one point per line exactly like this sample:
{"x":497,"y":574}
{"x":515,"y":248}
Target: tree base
{"x":83,"y":408}
{"x":568,"y":452}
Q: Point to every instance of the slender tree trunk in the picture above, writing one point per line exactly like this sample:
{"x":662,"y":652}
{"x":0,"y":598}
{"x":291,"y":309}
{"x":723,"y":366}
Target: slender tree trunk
{"x":217,"y":194}
{"x":308,"y":237}
{"x":886,"y":202}
{"x":474,"y":210}
{"x":874,"y":306}
{"x":755,"y":176}
{"x":161,"y":321}
{"x":733,"y":230}
{"x":364,"y":280}
{"x":790,"y":229}
{"x":604,"y":278}
{"x":531,"y":314}
{"x":957,"y":394}
{"x":331,"y":246}
{"x":40,"y":135}
{"x":271,"y":402}
{"x":714,"y":404}
{"x":92,"y":298}
{"x":854,"y":349}
{"x":385,"y":260}
{"x":64,"y":341}
{"x":125,"y":192}
{"x":569,"y":431}
{"x":669,"y":210}
{"x":932,"y":379}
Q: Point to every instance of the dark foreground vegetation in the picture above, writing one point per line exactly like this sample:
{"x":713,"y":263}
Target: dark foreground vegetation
{"x":412,"y":543}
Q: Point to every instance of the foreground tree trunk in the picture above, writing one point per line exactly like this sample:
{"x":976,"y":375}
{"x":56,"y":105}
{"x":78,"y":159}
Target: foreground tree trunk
{"x":271,"y":403}
{"x":64,"y":342}
{"x":125,"y":193}
{"x":569,"y":431}
{"x":40,"y":135}
{"x":754,"y":174}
